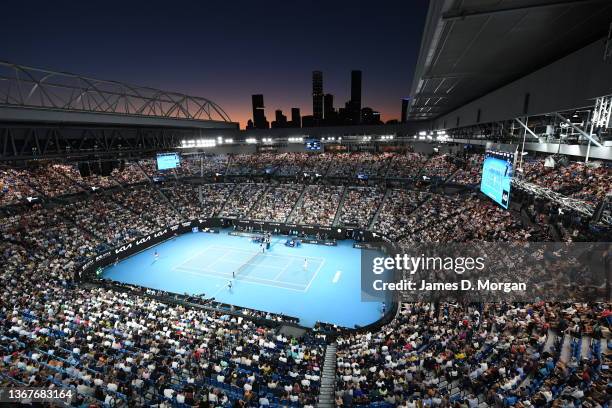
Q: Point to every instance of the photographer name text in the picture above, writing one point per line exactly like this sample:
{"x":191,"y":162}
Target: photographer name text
{"x":463,"y":285}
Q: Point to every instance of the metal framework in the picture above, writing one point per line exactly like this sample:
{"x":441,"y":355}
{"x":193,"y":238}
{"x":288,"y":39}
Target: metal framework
{"x":561,"y":200}
{"x":588,"y":136}
{"x":21,"y":142}
{"x":27,"y":87}
{"x":603,"y":112}
{"x":533,"y":135}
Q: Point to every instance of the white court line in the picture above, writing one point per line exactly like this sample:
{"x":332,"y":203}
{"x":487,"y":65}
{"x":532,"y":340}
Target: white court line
{"x":212,"y":272}
{"x":219,"y":291}
{"x":337,"y":277}
{"x":191,"y":257}
{"x":267,"y":254}
{"x":219,"y":258}
{"x":314,"y":276}
{"x":198,"y":254}
{"x":245,"y":281}
{"x":264,"y":255}
{"x":253,"y":280}
{"x":283,"y":270}
{"x":248,"y":263}
{"x":254,"y":264}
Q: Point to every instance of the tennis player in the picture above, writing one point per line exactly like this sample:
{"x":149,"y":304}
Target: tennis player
{"x":305,"y":264}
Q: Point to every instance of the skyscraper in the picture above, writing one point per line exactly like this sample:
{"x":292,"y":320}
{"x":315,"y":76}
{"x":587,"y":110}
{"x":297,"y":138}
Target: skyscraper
{"x":280,"y":120}
{"x":328,"y":102}
{"x":317,"y":95}
{"x":296,"y":119}
{"x":356,"y":96}
{"x":370,"y":117}
{"x":404,"y":117}
{"x":259,"y":117}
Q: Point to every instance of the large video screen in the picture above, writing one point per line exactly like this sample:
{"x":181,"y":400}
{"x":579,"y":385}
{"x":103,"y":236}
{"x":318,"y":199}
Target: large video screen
{"x":496,"y":180}
{"x":313,"y":145}
{"x":167,"y":161}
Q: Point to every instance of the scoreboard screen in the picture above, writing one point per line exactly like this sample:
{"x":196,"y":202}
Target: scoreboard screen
{"x":167,"y":161}
{"x":313,"y":145}
{"x":496,"y":180}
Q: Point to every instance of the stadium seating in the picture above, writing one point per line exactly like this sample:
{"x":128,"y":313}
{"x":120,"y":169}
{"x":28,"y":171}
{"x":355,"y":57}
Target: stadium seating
{"x":126,"y":347}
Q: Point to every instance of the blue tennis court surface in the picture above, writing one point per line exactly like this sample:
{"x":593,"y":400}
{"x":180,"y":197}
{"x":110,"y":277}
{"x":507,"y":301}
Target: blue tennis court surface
{"x":312,"y":282}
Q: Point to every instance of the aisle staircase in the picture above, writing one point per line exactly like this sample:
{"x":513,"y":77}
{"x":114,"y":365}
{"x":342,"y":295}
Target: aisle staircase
{"x":328,"y":380}
{"x":83,"y":188}
{"x":298,"y":203}
{"x":340,"y":205}
{"x":451,"y":176}
{"x":257,"y":200}
{"x":551,"y":339}
{"x":143,"y":171}
{"x":169,"y":202}
{"x":380,"y":207}
{"x":226,"y":200}
{"x":565,"y":354}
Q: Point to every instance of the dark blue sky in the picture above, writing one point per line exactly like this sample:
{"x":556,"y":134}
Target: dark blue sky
{"x":227,"y":50}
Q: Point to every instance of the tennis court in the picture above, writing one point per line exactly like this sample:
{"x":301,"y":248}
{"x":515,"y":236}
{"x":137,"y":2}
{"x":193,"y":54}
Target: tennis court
{"x":284,"y":271}
{"x":312,"y":282}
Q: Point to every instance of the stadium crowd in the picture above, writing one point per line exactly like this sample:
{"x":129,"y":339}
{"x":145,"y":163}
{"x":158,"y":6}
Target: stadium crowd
{"x":360,"y":206}
{"x":576,"y":180}
{"x":481,"y":355}
{"x":242,"y":199}
{"x":118,"y":348}
{"x":405,"y":166}
{"x":469,"y":174}
{"x":276,"y":203}
{"x":107,"y":220}
{"x":319,"y":205}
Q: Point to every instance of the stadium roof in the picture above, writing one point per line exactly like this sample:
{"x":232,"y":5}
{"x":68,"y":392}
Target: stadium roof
{"x":472,"y":47}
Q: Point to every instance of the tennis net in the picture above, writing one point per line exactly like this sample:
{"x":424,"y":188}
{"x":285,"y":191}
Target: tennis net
{"x":245,"y":265}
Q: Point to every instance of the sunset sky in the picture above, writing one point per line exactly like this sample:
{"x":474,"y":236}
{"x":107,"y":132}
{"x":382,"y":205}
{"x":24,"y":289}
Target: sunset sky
{"x":226,"y":51}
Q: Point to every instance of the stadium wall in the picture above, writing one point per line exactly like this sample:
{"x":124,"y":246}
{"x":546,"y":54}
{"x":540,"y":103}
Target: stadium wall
{"x":571,"y":82}
{"x":398,"y":129}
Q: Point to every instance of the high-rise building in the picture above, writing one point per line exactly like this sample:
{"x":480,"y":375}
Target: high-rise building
{"x":296,"y":119}
{"x":370,"y":117}
{"x":308,"y":121}
{"x":344,"y":115}
{"x":328,"y":103}
{"x":259,"y":117}
{"x":404,"y":117}
{"x":317,"y":95}
{"x":280,"y":120}
{"x":356,"y":96}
